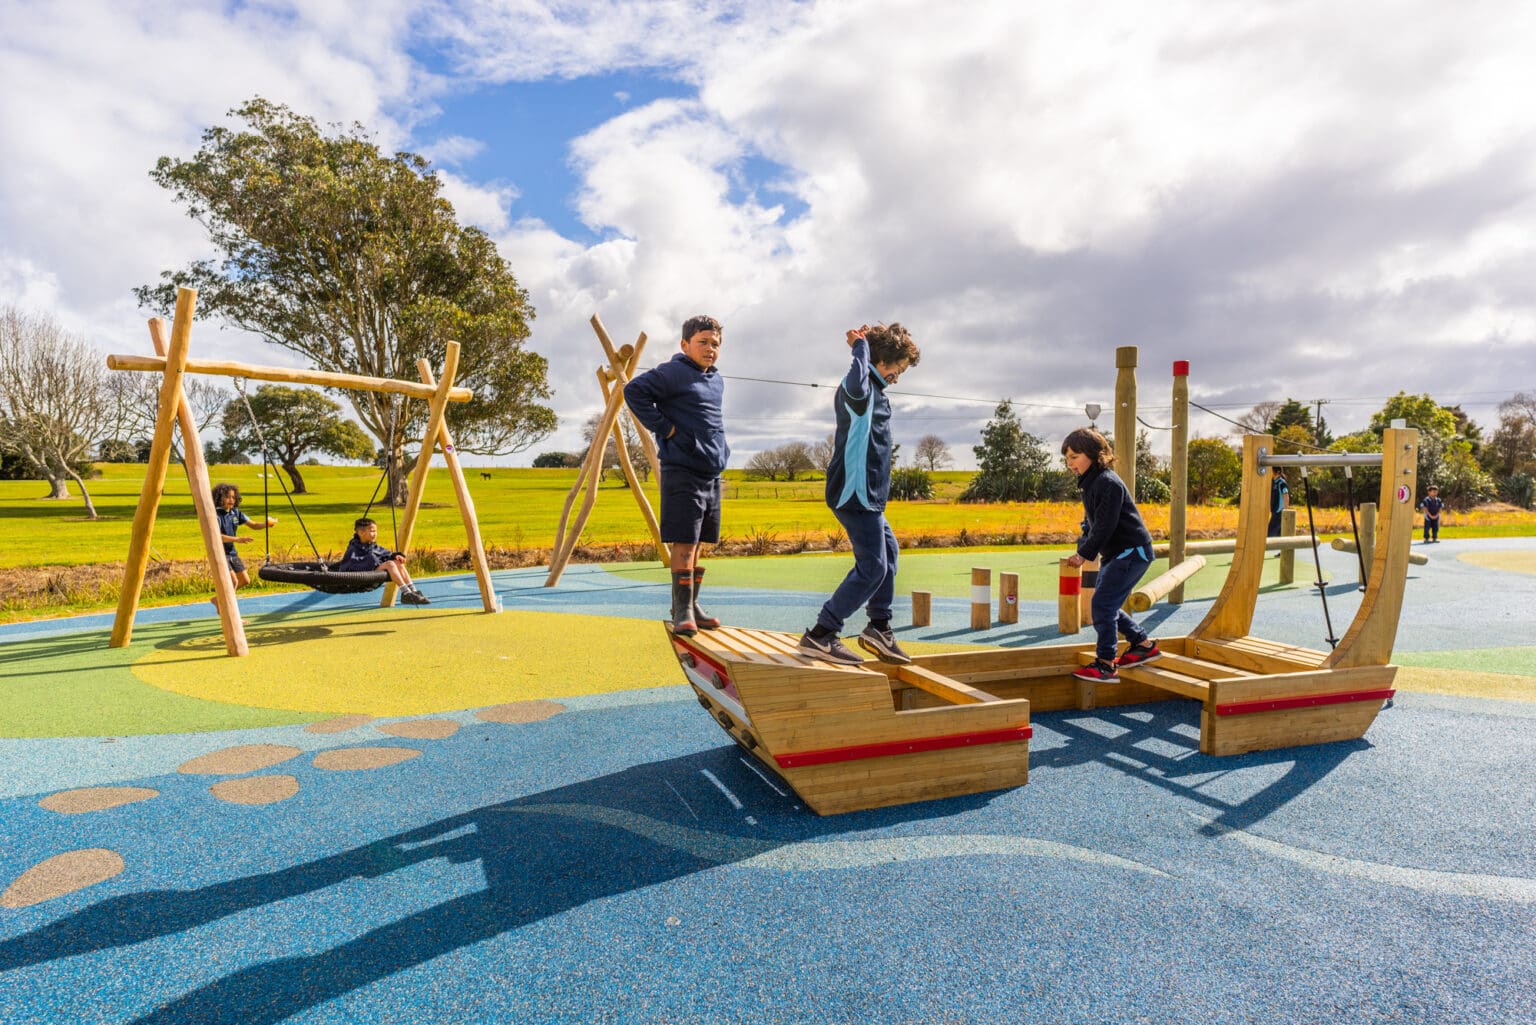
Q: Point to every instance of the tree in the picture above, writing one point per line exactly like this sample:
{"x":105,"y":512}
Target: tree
{"x":931,"y":453}
{"x":1512,"y":448}
{"x":822,"y":452}
{"x":1257,"y":419}
{"x":1446,"y":439}
{"x":632,"y":446}
{"x":135,"y":401}
{"x":788,"y":461}
{"x":354,"y":260}
{"x":294,"y":421}
{"x":1215,"y":470}
{"x":53,"y":400}
{"x":556,"y":460}
{"x":1012,"y":461}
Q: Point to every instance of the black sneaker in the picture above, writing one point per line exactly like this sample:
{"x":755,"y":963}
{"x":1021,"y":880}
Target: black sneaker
{"x":1098,"y":670}
{"x":882,"y":644}
{"x":829,"y":649}
{"x":414,"y":597}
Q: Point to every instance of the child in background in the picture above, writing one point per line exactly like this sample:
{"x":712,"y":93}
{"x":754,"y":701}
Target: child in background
{"x":226,"y":505}
{"x":858,"y":482}
{"x":1114,"y":533}
{"x":1432,"y":506}
{"x":364,"y":553}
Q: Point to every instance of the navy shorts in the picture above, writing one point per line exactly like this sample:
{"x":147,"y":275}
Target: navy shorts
{"x":690,"y":507}
{"x":236,"y":564}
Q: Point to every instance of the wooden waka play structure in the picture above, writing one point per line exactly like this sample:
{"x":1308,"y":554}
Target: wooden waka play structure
{"x":853,"y":737}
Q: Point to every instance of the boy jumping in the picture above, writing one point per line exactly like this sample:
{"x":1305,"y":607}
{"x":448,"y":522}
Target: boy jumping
{"x":858,"y":482}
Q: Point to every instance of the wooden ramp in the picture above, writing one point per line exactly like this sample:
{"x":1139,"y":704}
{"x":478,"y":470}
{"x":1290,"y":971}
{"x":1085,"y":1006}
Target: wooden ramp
{"x":855,"y":737}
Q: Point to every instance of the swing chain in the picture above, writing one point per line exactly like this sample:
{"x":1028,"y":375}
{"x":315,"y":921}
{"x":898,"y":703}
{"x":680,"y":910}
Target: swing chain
{"x":1322,"y":590}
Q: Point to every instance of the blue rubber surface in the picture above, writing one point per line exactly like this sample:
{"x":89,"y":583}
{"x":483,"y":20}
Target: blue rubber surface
{"x":622,"y":862}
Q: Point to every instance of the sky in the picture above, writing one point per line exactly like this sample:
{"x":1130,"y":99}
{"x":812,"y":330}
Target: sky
{"x":1310,"y":200}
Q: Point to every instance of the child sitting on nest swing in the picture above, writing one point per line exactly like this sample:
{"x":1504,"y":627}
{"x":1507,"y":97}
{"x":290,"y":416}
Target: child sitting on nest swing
{"x":364,"y":553}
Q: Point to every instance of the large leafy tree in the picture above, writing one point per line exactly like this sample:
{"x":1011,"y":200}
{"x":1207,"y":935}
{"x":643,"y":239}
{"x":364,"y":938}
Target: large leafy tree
{"x":1446,"y":447}
{"x":1011,"y":461}
{"x":293,"y":422}
{"x":1215,"y":470}
{"x":352,"y":259}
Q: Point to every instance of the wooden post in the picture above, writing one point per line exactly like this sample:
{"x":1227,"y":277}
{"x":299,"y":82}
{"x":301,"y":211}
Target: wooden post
{"x":154,"y":474}
{"x":565,"y":539}
{"x":1344,"y":544}
{"x":466,"y":503}
{"x":1178,"y":501}
{"x":922,"y":608}
{"x":981,"y":599}
{"x":1069,"y":614}
{"x":1367,"y":521}
{"x":1007,"y":597}
{"x":207,"y":516}
{"x":1287,"y":555}
{"x":624,"y":365}
{"x":633,"y":479}
{"x":438,"y":409}
{"x":289,"y":375}
{"x":1125,"y":416}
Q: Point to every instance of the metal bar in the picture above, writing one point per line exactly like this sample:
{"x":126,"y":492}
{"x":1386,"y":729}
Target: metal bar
{"x":1326,"y":459}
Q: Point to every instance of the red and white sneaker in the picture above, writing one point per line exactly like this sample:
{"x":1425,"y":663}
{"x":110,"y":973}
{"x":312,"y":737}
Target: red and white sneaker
{"x":1098,"y":670}
{"x":1146,"y":651}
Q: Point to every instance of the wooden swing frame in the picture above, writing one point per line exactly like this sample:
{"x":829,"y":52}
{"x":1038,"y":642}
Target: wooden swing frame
{"x":173,"y":364}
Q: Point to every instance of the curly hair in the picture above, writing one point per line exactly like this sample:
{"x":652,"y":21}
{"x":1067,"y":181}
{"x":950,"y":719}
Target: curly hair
{"x":220,"y":490}
{"x":892,"y":343}
{"x":1089,"y":442}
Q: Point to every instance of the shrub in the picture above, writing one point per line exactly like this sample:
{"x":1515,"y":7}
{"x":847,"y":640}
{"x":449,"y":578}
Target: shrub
{"x":910,"y":483}
{"x":1518,"y":489}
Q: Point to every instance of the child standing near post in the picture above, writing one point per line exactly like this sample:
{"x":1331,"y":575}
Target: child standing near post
{"x":1114,"y":533}
{"x":858,"y":482}
{"x":681,"y":402}
{"x":1432,"y":506}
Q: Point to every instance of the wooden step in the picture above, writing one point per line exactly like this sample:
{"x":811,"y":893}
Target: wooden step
{"x":1166,"y":679}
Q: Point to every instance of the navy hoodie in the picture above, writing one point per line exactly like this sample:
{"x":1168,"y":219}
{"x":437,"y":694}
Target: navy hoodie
{"x":1111,"y":522}
{"x":680,"y":394}
{"x":859,"y":476}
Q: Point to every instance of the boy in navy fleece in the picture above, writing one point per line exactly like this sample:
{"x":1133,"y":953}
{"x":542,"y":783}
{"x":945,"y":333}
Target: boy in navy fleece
{"x":1432,"y":506}
{"x":365,"y":553}
{"x":1113,"y":532}
{"x":858,"y":483}
{"x":681,"y":402}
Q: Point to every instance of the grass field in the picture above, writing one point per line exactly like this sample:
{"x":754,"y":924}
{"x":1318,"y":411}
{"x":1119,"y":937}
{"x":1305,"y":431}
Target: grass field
{"x":519,"y":509}
{"x":53,"y":561}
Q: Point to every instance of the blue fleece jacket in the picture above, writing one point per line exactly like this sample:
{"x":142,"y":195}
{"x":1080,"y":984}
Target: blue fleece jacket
{"x":682,"y":404}
{"x":1112,"y":524}
{"x":859,"y":476}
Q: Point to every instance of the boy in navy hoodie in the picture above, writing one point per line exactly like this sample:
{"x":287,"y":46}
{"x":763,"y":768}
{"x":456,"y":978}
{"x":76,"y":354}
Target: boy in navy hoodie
{"x":1114,"y":533}
{"x":364,"y":553}
{"x":681,"y":402}
{"x":858,"y":483}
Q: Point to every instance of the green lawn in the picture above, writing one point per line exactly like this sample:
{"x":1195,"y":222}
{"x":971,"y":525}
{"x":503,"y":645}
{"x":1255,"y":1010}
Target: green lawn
{"x":520,"y":508}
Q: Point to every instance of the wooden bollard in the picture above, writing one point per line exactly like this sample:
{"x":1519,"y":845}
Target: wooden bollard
{"x":1069,"y":615}
{"x":981,"y":599}
{"x":1007,"y":597}
{"x":922,"y":608}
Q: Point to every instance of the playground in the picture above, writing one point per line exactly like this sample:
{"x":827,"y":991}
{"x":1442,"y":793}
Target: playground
{"x":526,"y":816}
{"x":509,"y":805}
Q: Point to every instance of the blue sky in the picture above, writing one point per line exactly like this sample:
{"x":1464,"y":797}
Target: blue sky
{"x":1303,"y":200}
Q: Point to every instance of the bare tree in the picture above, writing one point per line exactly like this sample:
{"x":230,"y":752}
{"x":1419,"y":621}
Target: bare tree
{"x":632,"y":445}
{"x":135,"y":402}
{"x":1258,"y":419}
{"x":821,"y":452}
{"x":931,"y":453}
{"x":53,"y":401}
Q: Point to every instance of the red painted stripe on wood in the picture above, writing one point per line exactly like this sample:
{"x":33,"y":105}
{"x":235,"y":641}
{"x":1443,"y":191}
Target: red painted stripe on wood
{"x":1071,"y":585}
{"x":827,"y":756}
{"x":1306,"y":701}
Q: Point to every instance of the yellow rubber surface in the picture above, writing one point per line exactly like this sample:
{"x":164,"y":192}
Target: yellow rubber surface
{"x":1511,"y":561}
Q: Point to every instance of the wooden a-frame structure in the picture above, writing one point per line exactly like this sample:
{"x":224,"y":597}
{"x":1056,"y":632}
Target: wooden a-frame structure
{"x":171,"y":360}
{"x":611,"y":379}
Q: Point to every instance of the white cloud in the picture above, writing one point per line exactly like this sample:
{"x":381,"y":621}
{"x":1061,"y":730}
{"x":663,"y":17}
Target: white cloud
{"x":1303,"y":199}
